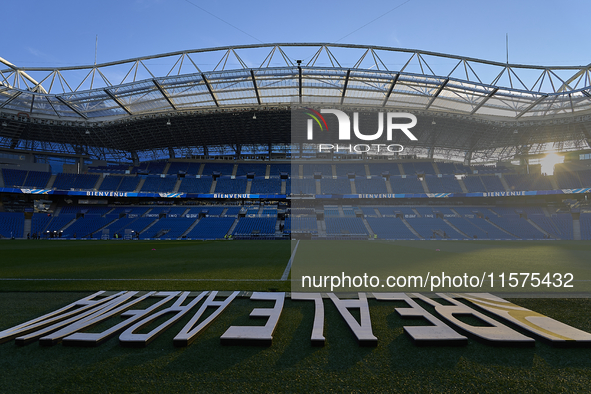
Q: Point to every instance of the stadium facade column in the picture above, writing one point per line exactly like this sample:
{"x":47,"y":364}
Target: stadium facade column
{"x":522,"y":151}
{"x":587,"y":134}
{"x":468,"y":158}
{"x":80,"y":164}
{"x":135,"y":158}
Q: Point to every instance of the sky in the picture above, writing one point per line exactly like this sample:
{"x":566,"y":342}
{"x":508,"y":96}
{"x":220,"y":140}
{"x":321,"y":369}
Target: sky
{"x":62,"y":33}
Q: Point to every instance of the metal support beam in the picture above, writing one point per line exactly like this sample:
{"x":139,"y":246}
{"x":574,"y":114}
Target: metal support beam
{"x":22,"y":73}
{"x":164,"y":93}
{"x":345,"y":87}
{"x":256,"y":89}
{"x":52,"y":107}
{"x":519,"y":115}
{"x":300,"y":82}
{"x":115,"y":99}
{"x":64,"y":102}
{"x":484,"y":100}
{"x":206,"y":81}
{"x":437,"y":93}
{"x":390,"y":89}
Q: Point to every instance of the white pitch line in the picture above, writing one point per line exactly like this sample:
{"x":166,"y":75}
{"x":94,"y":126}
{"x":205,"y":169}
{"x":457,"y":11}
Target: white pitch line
{"x":142,"y":279}
{"x":288,"y":268}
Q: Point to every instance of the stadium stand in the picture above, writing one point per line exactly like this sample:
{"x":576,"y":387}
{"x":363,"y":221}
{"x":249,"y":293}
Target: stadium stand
{"x":211,"y":228}
{"x":39,"y":222}
{"x":302,"y":224}
{"x":228,"y":185}
{"x":278,"y":169}
{"x":110,"y":183}
{"x":381,"y":168}
{"x":265,"y":186}
{"x":256,"y":227}
{"x":324,"y":169}
{"x":85,"y":227}
{"x":335,"y":186}
{"x":246,"y":168}
{"x":443,"y":184}
{"x":340,"y":227}
{"x":390,"y":228}
{"x":195,"y":185}
{"x":302,"y":186}
{"x":492,"y":183}
{"x":14,"y":177}
{"x":375,"y":184}
{"x":344,"y":169}
{"x":410,"y":184}
{"x":75,"y":181}
{"x":447,"y":168}
{"x":129,"y":183}
{"x":37,"y":179}
{"x":12,"y":224}
{"x":221,"y":168}
{"x":474,"y":184}
{"x":159,"y":184}
{"x":168,"y":228}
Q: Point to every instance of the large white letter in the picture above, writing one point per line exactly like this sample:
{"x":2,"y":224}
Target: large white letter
{"x":557,"y":333}
{"x":73,"y":309}
{"x":318,"y":325}
{"x":188,"y":333}
{"x":252,"y":335}
{"x":129,"y":338}
{"x":368,"y":137}
{"x":402,"y":126}
{"x":437,"y":334}
{"x":344,"y":123}
{"x":496,"y":333}
{"x":362,"y":331}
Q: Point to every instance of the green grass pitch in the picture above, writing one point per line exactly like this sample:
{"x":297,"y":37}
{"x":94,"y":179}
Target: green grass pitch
{"x":290,"y":364}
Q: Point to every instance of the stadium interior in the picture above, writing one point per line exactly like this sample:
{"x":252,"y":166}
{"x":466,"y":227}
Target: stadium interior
{"x":208,"y":154}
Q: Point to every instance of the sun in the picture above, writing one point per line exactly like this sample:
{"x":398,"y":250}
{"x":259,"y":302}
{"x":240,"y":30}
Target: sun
{"x":549,"y":162}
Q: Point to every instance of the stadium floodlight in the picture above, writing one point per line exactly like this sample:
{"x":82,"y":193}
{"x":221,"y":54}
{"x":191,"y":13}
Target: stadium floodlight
{"x":254,"y":116}
{"x":168,"y":122}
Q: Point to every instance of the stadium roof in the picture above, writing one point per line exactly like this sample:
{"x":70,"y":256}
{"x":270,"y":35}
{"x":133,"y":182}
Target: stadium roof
{"x":206,"y":97}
